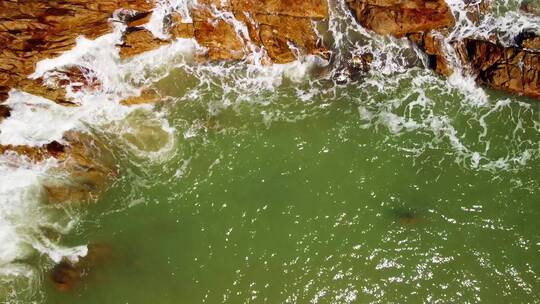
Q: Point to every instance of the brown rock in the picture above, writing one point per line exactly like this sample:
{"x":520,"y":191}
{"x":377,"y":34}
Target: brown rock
{"x":39,"y":88}
{"x":176,"y":26}
{"x":67,"y":276}
{"x":83,"y":159}
{"x":55,"y":149}
{"x":505,"y":68}
{"x":4,"y":92}
{"x":402,"y":17}
{"x":217,"y":36}
{"x":5,"y":112}
{"x":281,"y":27}
{"x":34,"y":30}
{"x":278,"y":33}
{"x":476,"y":9}
{"x":432,"y":45}
{"x":77,"y":77}
{"x":138,"y":40}
{"x":528,"y":40}
{"x":294,"y":8}
{"x":35,"y":154}
{"x":530,"y":7}
{"x":137,"y":19}
{"x":147,"y":96}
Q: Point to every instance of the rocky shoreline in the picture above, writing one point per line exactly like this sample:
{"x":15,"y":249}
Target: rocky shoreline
{"x":264,"y":32}
{"x":514,"y":69}
{"x":272,"y":31}
{"x":258,"y":31}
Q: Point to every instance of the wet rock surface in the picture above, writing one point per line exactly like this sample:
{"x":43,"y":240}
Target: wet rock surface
{"x":511,"y":69}
{"x":278,"y":30}
{"x":146,"y":96}
{"x":399,"y":17}
{"x":432,"y":44}
{"x":5,"y":112}
{"x":34,"y":30}
{"x":84,"y":167}
{"x":228,"y":30}
{"x":353,"y":69}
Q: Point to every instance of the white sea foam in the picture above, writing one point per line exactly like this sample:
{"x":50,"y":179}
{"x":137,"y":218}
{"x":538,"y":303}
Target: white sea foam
{"x":36,"y":121}
{"x":22,"y":218}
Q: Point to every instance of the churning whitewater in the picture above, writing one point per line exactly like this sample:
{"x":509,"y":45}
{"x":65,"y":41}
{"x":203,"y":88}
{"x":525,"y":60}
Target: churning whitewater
{"x":423,"y":118}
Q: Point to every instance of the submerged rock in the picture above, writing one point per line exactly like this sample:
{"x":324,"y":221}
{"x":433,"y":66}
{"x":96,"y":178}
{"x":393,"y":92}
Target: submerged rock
{"x":146,"y":96}
{"x":407,"y":217}
{"x":67,"y":275}
{"x":88,"y":166}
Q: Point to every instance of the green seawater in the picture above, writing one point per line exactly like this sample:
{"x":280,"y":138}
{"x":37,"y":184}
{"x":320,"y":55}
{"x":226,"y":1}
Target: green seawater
{"x":408,"y":192}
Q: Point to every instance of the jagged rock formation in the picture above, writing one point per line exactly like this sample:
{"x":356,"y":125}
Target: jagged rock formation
{"x":413,"y":18}
{"x":513,"y":69}
{"x":30,"y":31}
{"x":82,"y":156}
{"x":239,"y":27}
{"x":399,"y":18}
{"x":34,"y":30}
{"x":432,"y":44}
{"x":235,"y":29}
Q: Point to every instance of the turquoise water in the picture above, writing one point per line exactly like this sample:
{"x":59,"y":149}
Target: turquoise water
{"x":353,"y":196}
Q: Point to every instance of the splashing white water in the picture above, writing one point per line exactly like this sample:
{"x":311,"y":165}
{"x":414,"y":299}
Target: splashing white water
{"x":35,"y":121}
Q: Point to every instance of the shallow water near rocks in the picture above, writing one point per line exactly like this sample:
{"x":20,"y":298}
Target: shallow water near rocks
{"x":282,"y":200}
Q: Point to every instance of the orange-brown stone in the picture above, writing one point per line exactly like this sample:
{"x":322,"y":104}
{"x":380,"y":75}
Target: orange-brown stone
{"x":402,"y":17}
